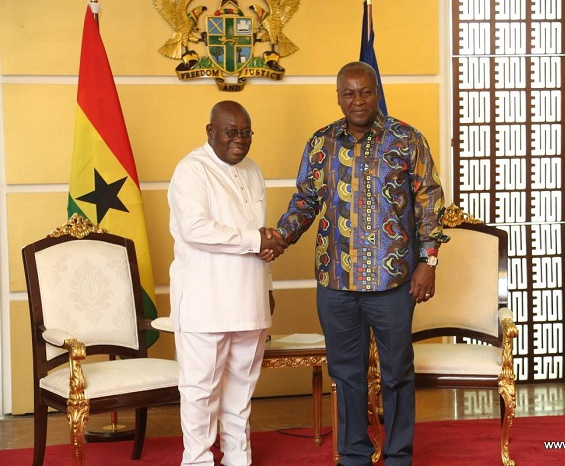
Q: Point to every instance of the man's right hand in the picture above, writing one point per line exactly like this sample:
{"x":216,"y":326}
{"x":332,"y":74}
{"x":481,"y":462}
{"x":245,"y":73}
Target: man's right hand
{"x":272,"y":244}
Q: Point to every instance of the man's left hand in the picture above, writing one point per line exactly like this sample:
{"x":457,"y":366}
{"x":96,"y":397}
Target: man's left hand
{"x":422,"y":286}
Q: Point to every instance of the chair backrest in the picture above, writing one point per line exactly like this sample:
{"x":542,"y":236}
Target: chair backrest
{"x":471,"y":285}
{"x":87,"y":287}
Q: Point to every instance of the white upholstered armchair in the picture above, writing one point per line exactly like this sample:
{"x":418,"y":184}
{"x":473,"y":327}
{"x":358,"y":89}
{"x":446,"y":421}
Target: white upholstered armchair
{"x":469,"y":313}
{"x":85,"y":299}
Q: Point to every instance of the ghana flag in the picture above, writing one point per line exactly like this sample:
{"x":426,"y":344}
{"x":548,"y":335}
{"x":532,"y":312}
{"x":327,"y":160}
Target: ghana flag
{"x":104,"y":186}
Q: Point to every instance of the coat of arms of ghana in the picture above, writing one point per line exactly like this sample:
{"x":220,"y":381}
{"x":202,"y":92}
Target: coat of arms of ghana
{"x":220,"y":43}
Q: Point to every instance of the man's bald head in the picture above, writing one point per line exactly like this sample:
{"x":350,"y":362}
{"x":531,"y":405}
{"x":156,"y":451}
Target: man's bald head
{"x":227,"y":106}
{"x":228,"y":117}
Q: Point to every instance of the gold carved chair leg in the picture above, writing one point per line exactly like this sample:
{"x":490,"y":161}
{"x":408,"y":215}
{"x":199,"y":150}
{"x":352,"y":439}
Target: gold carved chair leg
{"x":509,"y":396}
{"x":374,"y":379}
{"x":507,"y":389}
{"x":78,"y":407}
{"x":317,"y":395}
{"x":334,"y":423}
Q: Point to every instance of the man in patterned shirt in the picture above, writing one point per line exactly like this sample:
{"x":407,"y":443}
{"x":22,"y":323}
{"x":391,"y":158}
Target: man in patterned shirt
{"x":373,"y":181}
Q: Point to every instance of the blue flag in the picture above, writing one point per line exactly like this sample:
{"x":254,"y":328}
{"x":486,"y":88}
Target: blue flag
{"x":367,"y":54}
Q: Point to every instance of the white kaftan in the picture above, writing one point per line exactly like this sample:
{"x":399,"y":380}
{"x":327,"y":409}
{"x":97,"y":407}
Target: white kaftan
{"x":218,"y":283}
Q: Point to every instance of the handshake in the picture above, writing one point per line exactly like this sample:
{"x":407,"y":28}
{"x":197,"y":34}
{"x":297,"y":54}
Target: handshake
{"x":272,"y":244}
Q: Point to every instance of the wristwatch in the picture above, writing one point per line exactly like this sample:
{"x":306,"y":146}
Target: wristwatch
{"x":430,"y":260}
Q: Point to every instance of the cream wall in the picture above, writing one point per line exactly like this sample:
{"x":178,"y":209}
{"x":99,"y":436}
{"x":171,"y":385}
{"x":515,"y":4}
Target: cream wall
{"x":39,"y":54}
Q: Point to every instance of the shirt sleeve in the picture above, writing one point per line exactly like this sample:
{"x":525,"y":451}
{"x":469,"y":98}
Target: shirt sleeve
{"x":188,"y":200}
{"x":306,"y":202}
{"x":429,"y":199}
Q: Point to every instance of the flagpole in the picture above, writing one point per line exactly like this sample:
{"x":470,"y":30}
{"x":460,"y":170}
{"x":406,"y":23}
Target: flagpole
{"x":369,"y":18}
{"x":380,"y":411}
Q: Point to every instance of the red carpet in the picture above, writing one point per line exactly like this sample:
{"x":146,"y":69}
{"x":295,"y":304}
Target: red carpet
{"x":453,"y":443}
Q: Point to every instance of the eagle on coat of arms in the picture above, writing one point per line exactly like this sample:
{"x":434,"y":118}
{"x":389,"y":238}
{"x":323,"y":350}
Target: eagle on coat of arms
{"x":272,"y":22}
{"x":184,"y":22}
{"x":229,"y":36}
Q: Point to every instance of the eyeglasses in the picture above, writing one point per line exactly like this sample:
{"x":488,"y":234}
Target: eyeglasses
{"x":233,"y":133}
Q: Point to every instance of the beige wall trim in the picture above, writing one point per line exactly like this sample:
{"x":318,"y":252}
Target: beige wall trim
{"x":444,"y":22}
{"x":145,"y":186}
{"x":172,"y":80}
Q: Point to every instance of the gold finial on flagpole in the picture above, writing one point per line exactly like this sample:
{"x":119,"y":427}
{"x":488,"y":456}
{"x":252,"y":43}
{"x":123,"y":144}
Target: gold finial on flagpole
{"x":95,"y":8}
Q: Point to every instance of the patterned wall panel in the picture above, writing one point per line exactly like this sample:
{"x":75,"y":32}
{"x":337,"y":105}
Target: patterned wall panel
{"x":508,"y":65}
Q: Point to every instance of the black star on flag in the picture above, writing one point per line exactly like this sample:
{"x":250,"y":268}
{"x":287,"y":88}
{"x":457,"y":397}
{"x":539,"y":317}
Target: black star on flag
{"x":105,"y":196}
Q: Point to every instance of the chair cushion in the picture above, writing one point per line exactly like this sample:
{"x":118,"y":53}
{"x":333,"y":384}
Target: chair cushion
{"x":445,"y":358}
{"x":116,"y":377}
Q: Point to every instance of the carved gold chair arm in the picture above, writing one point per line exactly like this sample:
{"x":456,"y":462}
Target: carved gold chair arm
{"x":77,"y":353}
{"x":509,"y":328}
{"x":78,"y":407}
{"x":509,"y":332}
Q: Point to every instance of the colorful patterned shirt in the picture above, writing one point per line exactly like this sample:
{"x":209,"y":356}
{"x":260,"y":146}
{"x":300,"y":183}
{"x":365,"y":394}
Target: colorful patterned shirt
{"x":380,"y":201}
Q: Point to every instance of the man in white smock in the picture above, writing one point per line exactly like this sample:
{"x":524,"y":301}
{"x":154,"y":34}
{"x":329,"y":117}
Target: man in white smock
{"x":221,"y":299}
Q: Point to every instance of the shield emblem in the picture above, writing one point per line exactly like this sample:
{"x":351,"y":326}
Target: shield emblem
{"x":230,"y":41}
